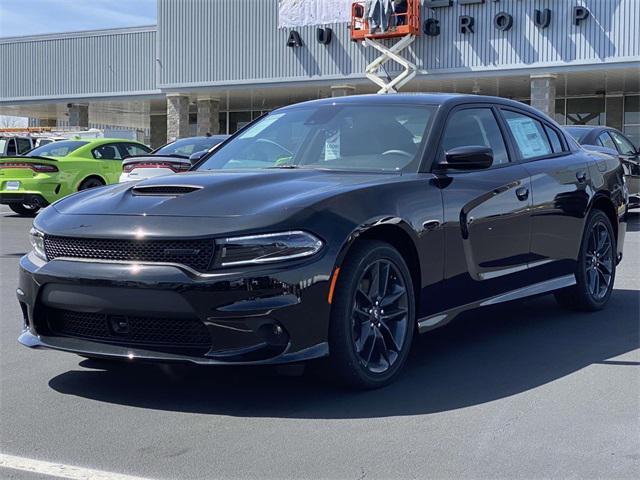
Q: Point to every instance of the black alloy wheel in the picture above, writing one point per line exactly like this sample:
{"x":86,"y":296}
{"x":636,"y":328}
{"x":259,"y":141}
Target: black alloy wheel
{"x":25,"y":209}
{"x":91,"y":183}
{"x":380,"y":316}
{"x":372,"y":316}
{"x":596,"y":268}
{"x":599,"y":260}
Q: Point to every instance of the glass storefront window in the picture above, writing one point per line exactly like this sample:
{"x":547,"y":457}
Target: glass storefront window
{"x":559,"y":116}
{"x":222,"y":118}
{"x":632,"y":110}
{"x":632,"y":118}
{"x":586,"y":111}
{"x":238,"y":120}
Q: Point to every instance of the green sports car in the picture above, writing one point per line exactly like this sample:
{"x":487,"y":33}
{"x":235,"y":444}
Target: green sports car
{"x":45,"y":174}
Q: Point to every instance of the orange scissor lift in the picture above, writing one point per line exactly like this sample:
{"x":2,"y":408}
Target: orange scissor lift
{"x":405,"y":26}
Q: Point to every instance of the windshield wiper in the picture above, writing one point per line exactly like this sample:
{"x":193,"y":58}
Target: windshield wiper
{"x":284,"y":167}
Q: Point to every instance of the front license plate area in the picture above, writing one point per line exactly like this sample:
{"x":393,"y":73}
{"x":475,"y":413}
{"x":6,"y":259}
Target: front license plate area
{"x":13,"y":185}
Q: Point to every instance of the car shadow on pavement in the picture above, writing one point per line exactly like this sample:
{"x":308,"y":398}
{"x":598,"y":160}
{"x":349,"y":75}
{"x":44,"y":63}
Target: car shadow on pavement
{"x":483,"y":356}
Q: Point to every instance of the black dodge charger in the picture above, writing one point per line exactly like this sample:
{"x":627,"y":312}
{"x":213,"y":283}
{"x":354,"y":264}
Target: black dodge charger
{"x":337,"y":228}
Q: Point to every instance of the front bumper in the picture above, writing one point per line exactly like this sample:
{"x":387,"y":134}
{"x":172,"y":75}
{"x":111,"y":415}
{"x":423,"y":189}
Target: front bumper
{"x":268,"y":316}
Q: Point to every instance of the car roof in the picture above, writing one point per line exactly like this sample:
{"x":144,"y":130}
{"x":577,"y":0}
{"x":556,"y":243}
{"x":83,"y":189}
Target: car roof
{"x":409,"y":98}
{"x":438,"y":99}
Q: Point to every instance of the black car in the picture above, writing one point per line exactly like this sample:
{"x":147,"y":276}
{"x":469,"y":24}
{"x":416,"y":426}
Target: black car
{"x":612,"y":141}
{"x":174,"y":157}
{"x":339,"y":228}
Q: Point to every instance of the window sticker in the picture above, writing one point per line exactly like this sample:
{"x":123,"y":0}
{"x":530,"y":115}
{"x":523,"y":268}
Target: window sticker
{"x":332,"y":146}
{"x":262,"y":126}
{"x":528,"y":137}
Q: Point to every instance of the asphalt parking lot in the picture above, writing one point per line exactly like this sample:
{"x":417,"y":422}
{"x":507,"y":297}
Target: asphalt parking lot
{"x":521,"y":391}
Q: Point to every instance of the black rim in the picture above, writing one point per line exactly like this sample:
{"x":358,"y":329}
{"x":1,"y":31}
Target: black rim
{"x":599,"y":261}
{"x":380,"y":316}
{"x":91,"y":184}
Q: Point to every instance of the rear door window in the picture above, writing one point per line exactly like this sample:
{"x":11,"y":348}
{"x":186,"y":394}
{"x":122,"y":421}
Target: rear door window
{"x":554,"y":138}
{"x":11,"y":147}
{"x":528,"y":134}
{"x":132,"y":149}
{"x":625,"y":147}
{"x":606,"y":141}
{"x":24,"y":145}
{"x":109,"y":151}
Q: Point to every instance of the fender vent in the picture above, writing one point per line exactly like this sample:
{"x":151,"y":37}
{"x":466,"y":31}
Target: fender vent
{"x":168,"y":190}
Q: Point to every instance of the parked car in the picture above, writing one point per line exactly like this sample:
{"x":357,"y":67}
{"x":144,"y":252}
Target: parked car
{"x":47,"y":173}
{"x":340,"y":227}
{"x":612,"y":141}
{"x":10,"y":145}
{"x":174,"y":157}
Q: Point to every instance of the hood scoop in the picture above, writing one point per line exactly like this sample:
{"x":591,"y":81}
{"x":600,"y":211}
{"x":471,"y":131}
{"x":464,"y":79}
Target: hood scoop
{"x":164,"y":190}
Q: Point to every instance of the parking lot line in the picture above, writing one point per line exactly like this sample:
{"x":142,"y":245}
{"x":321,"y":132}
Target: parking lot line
{"x":59,"y":470}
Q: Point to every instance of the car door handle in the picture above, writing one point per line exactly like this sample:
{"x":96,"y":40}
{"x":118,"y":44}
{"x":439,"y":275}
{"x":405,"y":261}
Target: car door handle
{"x":581,"y":176}
{"x":522,"y":193}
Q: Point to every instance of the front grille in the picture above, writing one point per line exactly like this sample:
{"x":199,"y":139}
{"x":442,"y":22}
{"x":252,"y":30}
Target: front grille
{"x":165,"y":333}
{"x":196,"y":254}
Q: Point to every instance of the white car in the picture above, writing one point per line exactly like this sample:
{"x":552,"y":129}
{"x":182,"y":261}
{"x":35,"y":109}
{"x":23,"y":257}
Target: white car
{"x":174,"y":157}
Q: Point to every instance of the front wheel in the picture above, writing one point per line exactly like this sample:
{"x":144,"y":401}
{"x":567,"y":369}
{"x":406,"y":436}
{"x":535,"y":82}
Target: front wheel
{"x":25,"y":210}
{"x":372,"y":317}
{"x":596,"y":270}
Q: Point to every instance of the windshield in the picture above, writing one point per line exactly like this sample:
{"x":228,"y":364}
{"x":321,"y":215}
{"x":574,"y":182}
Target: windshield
{"x":578,"y":133}
{"x":56,"y":149}
{"x":188,"y":146}
{"x":345,"y":137}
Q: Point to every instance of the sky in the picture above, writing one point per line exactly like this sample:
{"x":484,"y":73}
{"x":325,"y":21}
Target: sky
{"x":35,"y":17}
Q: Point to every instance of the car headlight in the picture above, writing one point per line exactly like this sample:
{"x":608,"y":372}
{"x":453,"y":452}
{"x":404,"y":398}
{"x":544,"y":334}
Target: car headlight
{"x":36,"y":237}
{"x":268,"y":248}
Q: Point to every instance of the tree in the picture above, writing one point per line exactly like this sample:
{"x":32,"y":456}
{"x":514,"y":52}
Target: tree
{"x":7,"y":121}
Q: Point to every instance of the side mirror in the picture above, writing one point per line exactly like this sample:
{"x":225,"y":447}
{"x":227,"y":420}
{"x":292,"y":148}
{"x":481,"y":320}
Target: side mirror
{"x":473,"y":157}
{"x":195,"y":158}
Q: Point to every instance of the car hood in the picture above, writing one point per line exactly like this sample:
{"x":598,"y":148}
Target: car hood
{"x":219,"y":193}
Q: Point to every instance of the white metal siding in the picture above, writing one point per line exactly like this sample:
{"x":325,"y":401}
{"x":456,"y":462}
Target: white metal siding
{"x":230,"y":42}
{"x":75,"y":65}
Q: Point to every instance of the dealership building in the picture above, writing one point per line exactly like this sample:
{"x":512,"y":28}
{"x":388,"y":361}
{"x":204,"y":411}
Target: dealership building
{"x":214,"y":65}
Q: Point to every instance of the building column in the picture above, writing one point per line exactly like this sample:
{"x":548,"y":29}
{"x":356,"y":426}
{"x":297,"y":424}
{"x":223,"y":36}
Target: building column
{"x":78,"y":115}
{"x":543,"y":93}
{"x":208,"y":116}
{"x":177,"y":116}
{"x":342,"y":90}
{"x":157,"y":130}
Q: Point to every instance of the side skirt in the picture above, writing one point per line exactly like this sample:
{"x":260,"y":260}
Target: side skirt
{"x":435,"y":321}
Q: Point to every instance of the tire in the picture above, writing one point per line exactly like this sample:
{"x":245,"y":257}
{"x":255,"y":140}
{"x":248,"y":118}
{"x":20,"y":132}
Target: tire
{"x":24,"y":209}
{"x":91,"y":182}
{"x":596,"y":270}
{"x":367,"y":346}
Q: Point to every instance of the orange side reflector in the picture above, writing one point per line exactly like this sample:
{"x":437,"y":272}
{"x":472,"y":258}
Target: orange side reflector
{"x":332,"y":288}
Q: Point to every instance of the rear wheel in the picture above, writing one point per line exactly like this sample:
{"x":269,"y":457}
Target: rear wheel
{"x":596,"y":270}
{"x":26,"y":210}
{"x":372,"y":318}
{"x":91,"y":182}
